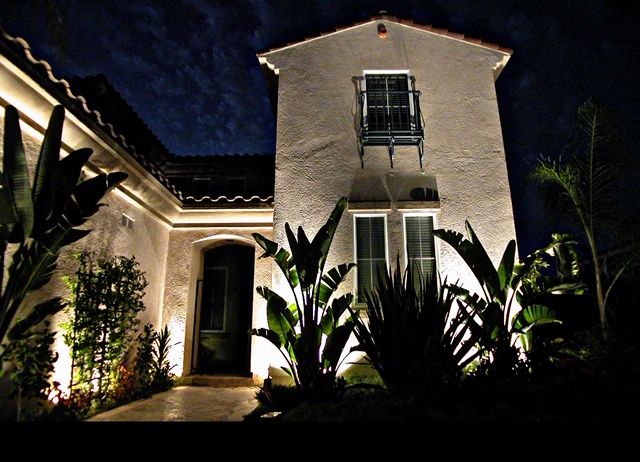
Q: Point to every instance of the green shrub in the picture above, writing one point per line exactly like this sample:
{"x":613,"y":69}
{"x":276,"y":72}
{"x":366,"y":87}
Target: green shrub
{"x":107,"y":298}
{"x":152,"y":368}
{"x":411,"y":335}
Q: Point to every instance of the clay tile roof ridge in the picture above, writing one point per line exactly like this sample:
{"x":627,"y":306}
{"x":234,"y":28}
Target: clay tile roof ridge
{"x":61,"y":82}
{"x":207,"y":156}
{"x":406,"y":22}
{"x":123,"y":101}
{"x":228,"y":199}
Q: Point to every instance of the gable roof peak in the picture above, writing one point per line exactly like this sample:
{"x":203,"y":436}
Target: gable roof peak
{"x":383,"y":15}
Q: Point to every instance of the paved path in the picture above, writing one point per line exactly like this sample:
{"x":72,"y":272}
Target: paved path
{"x":187,"y":404}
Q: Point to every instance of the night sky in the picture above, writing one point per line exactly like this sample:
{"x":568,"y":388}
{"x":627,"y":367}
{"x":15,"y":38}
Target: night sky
{"x":189,"y":67}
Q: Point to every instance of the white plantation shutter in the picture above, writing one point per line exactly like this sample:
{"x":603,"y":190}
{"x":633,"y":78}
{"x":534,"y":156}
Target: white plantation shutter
{"x":420,"y":243}
{"x":371,"y":252}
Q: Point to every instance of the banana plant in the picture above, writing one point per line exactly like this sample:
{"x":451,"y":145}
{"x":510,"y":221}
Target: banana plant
{"x":511,"y":303}
{"x":310,"y":332}
{"x":41,"y":219}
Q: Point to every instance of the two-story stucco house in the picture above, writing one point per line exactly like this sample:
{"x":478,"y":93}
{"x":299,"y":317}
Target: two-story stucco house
{"x":399,"y":117}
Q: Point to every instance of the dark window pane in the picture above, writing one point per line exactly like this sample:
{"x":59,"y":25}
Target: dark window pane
{"x":388,"y":102}
{"x":214,"y":294}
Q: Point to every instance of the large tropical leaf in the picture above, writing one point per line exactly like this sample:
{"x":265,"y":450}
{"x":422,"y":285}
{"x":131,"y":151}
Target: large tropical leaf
{"x":281,"y":256}
{"x":529,"y":317}
{"x":562,"y":247}
{"x":85,"y":200}
{"x":534,"y":315}
{"x":336,"y":276}
{"x":332,"y":316}
{"x":38,"y":267}
{"x":270,"y":248}
{"x":16,"y":206}
{"x":82,"y":205}
{"x":325,"y":236}
{"x":280,"y":318}
{"x":331,"y":281}
{"x":67,"y":176}
{"x":505,"y":269}
{"x":547,"y":285}
{"x":268,"y":334}
{"x":31,"y":268}
{"x":305,"y":257}
{"x":474,"y":255}
{"x":335,"y":345}
{"x":481,"y":264}
{"x":45,"y":181}
{"x":38,"y":314}
{"x":475,"y":301}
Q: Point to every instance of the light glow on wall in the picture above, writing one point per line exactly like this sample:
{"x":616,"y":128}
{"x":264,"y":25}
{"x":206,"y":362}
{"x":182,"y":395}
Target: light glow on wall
{"x":62,"y":367}
{"x":176,"y":351}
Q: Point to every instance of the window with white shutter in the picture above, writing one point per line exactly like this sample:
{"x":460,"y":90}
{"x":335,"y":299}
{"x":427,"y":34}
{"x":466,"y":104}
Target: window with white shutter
{"x":420,"y":244}
{"x":370,"y":252}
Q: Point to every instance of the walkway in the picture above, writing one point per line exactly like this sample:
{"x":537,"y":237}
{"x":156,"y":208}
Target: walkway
{"x":187,"y":404}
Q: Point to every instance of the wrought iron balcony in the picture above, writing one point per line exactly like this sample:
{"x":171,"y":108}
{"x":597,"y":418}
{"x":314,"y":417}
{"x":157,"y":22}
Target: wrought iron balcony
{"x":390,"y":118}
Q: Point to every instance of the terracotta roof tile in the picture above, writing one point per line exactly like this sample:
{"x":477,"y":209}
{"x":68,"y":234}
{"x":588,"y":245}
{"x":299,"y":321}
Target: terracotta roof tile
{"x":28,"y":62}
{"x":115,"y":107}
{"x":406,"y":22}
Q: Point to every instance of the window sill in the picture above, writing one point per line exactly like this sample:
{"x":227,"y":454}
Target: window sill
{"x":427,"y":206}
{"x":373,"y":206}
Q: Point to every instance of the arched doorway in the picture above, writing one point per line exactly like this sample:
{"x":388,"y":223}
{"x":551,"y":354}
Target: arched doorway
{"x":224,"y":303}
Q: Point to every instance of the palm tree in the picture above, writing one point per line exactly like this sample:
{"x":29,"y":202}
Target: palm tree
{"x":584,"y":186}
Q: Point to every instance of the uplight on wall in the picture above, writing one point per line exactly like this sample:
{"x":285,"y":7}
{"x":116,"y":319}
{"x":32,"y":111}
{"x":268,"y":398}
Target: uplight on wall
{"x":382,"y":30}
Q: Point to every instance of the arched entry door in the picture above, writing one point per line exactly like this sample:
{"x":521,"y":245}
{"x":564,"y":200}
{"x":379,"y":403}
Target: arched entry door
{"x":223,"y":311}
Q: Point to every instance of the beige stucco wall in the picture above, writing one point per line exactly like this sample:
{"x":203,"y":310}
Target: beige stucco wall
{"x":317,"y":156}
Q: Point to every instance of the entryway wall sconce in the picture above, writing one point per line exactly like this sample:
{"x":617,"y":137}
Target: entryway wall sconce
{"x":382,"y":30}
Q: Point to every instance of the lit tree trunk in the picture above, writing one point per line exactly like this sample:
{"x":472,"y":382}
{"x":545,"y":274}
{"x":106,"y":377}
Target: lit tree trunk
{"x":599,"y":289}
{"x":600,"y":293}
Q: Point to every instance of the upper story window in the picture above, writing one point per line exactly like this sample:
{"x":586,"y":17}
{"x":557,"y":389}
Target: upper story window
{"x":390,"y":112}
{"x":387,"y":103}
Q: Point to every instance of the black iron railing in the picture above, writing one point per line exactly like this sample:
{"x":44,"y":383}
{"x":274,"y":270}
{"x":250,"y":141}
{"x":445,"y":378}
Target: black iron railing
{"x":389,"y":118}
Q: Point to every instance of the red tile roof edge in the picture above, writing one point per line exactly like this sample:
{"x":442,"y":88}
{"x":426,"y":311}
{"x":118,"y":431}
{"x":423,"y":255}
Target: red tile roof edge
{"x":43,"y":68}
{"x":406,"y":22}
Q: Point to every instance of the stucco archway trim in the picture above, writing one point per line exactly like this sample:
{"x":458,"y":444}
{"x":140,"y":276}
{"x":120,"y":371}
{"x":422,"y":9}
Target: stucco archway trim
{"x":198,"y":249}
